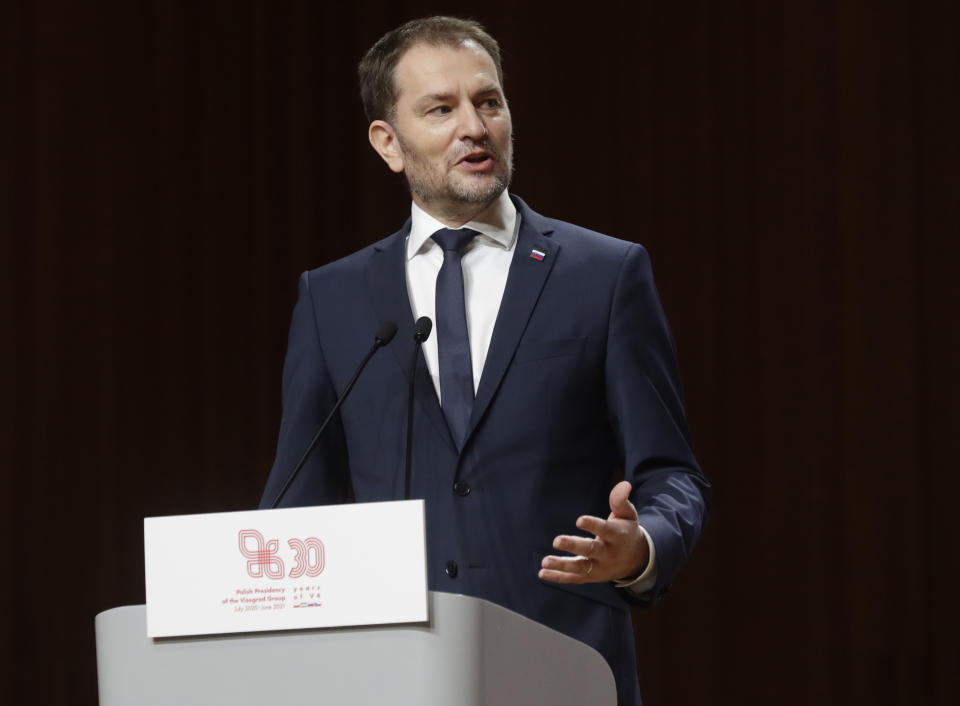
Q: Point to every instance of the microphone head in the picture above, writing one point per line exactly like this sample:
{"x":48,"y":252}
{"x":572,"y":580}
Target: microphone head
{"x":422,"y":329}
{"x":385,"y":333}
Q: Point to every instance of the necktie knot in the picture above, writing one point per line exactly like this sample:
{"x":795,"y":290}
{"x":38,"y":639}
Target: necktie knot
{"x":454,"y":240}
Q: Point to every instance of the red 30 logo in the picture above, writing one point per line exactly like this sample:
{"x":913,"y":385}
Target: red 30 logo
{"x":263,"y":559}
{"x":309,"y":557}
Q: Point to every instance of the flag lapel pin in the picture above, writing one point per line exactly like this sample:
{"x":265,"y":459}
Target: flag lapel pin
{"x":538,"y":254}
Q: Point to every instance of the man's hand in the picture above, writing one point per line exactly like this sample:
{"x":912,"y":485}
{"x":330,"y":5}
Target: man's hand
{"x":618,"y":550}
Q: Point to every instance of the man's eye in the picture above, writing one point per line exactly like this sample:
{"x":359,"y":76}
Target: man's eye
{"x":441,"y":110}
{"x":491,"y":103}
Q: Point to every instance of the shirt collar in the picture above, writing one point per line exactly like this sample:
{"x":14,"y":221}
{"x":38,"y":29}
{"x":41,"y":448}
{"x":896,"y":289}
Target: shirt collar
{"x":497,"y":222}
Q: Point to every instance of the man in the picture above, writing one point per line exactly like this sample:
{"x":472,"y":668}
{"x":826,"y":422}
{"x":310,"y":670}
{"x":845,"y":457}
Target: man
{"x":550,"y":372}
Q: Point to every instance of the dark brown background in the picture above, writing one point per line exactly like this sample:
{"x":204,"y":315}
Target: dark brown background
{"x":168,"y":168}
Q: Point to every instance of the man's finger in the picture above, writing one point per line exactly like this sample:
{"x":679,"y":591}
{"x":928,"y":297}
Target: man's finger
{"x":562,"y":576}
{"x":568,"y":564}
{"x":584,"y":546}
{"x":591,"y":524}
{"x":565,"y":569}
{"x":620,"y":504}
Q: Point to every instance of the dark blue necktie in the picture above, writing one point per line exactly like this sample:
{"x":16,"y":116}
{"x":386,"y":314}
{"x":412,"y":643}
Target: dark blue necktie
{"x":453,"y":342}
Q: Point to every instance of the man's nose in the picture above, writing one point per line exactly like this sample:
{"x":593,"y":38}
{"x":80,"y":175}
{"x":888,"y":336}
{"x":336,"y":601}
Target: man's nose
{"x":471,"y":124}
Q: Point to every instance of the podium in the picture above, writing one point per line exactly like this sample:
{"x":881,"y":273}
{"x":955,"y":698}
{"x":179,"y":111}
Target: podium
{"x":470,"y":653}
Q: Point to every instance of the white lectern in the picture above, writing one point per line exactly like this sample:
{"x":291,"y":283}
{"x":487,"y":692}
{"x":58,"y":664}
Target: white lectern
{"x":470,"y":653}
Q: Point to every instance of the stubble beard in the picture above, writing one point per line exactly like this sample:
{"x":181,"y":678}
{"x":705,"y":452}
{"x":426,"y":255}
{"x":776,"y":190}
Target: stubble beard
{"x":453,"y":194}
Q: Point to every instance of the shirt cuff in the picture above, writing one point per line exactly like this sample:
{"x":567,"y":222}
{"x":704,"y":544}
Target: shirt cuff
{"x":648,"y":578}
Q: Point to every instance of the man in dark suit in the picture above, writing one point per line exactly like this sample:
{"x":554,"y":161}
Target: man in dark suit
{"x":551,"y":372}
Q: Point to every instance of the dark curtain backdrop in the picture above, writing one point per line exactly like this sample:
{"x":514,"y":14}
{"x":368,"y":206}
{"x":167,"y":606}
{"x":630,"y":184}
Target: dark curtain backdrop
{"x":170,"y":167}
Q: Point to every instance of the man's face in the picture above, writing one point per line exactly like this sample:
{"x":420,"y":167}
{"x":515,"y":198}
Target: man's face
{"x":452,"y":128}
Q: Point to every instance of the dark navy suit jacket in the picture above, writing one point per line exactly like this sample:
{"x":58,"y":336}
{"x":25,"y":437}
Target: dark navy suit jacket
{"x":580,"y":384}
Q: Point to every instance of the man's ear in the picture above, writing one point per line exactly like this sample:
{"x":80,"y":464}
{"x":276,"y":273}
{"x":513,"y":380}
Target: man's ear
{"x":384,"y":140}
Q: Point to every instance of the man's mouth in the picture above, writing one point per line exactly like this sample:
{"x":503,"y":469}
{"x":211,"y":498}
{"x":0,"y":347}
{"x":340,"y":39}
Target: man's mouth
{"x":477,"y":161}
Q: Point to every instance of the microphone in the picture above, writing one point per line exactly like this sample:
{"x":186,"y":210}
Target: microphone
{"x":421,"y":332}
{"x":383,"y":336}
{"x":422,"y":329}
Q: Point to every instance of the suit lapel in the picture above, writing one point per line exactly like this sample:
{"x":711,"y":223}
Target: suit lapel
{"x":528,"y":274}
{"x":387,"y":284}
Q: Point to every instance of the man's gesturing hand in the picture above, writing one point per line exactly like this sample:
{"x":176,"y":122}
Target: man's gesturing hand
{"x":618,"y":550}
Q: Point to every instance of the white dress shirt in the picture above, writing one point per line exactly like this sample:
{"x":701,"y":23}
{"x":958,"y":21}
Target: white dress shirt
{"x":485,"y":263}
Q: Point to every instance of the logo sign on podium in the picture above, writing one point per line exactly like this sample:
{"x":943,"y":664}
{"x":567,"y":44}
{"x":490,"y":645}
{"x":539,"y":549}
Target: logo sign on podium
{"x":311,"y":567}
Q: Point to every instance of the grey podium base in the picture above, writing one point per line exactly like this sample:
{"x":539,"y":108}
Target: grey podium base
{"x":471,"y":653}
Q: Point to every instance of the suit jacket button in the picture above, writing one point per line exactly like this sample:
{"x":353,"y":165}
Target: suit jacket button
{"x":461,"y":488}
{"x":451,"y":569}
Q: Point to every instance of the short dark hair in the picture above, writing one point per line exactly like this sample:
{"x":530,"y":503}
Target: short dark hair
{"x":378,"y":91}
